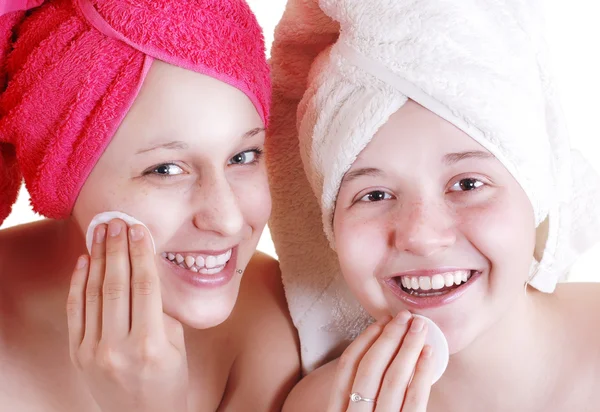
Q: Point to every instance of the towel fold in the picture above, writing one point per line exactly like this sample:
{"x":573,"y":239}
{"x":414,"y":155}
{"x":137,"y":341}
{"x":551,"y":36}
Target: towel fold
{"x":342,"y":67}
{"x":71,"y":69}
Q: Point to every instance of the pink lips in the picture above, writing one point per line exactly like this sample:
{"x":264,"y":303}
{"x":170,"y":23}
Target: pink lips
{"x":199,"y":280}
{"x":427,"y":302}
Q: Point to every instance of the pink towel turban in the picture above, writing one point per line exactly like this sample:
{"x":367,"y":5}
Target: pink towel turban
{"x":70,"y":70}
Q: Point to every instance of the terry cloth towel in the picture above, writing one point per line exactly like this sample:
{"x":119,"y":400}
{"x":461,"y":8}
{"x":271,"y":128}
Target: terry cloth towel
{"x":70,"y":70}
{"x":342,"y":67}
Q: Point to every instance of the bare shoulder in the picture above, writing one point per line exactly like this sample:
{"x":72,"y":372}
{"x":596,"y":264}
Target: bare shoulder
{"x":19,"y":243}
{"x":580,"y":302}
{"x":580,"y":298}
{"x":22,"y":239}
{"x":580,"y":306}
{"x":312,"y":392}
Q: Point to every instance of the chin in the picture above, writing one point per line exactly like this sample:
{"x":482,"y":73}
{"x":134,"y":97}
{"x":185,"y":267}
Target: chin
{"x":200,"y":315}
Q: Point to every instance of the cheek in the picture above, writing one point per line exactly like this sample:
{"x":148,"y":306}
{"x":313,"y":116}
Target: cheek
{"x":361,"y":245}
{"x":502,"y":230}
{"x":98,"y":194}
{"x":162,"y":210}
{"x":254,"y":199}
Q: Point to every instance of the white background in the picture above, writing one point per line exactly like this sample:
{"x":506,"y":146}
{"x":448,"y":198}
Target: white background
{"x":573,"y":32}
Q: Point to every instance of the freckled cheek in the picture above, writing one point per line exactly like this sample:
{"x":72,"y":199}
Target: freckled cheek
{"x":164,"y":213}
{"x":361,"y":244}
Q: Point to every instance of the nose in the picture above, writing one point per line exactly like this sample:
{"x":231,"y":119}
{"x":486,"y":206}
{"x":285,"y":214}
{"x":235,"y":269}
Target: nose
{"x":423,"y":229}
{"x":218,"y":208}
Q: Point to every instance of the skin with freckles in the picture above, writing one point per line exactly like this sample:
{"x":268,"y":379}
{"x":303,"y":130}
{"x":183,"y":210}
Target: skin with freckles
{"x":423,"y":197}
{"x":187,"y":161}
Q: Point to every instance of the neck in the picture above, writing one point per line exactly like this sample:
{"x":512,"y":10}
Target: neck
{"x":512,"y":366}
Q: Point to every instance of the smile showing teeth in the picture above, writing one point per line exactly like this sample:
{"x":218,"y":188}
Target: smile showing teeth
{"x":206,"y":265}
{"x":437,"y":283}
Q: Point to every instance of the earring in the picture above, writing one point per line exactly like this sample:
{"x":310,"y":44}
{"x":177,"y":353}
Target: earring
{"x":239,"y":271}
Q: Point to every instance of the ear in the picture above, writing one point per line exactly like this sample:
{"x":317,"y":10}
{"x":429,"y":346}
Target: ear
{"x":541,"y":237}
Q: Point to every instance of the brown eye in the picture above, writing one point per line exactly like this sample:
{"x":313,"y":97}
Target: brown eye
{"x":466,"y":185}
{"x":375,"y":196}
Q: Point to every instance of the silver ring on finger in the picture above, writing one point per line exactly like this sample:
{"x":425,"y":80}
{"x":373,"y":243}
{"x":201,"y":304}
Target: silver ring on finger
{"x":357,"y":397}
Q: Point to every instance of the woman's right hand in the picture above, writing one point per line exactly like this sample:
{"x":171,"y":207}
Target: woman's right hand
{"x":129,"y":352}
{"x":379,"y":365}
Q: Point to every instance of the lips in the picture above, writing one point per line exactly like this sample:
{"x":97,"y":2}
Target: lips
{"x":202,"y":269}
{"x":203,"y":262}
{"x":431,"y":288}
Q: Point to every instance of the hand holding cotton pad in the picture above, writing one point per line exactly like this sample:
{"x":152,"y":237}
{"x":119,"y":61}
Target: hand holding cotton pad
{"x":441,"y":354}
{"x":106,"y":217}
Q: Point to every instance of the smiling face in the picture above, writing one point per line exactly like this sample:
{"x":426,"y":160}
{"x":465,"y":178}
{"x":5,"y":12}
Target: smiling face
{"x":425,"y":207}
{"x":187,"y":162}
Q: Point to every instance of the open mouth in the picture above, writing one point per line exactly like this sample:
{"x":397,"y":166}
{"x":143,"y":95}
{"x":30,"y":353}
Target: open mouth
{"x":205,"y":264}
{"x":435,"y":285}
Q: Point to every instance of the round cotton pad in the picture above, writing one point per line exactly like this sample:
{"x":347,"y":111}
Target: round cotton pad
{"x":436,"y":339}
{"x":106,"y":217}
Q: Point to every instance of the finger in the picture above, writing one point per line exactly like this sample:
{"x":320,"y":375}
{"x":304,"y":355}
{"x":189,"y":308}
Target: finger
{"x":377,"y":359}
{"x":146,"y":304}
{"x":76,"y":305}
{"x":117,"y":279}
{"x":348,"y":364}
{"x":93,"y":291}
{"x":398,"y":375}
{"x":417,"y":395}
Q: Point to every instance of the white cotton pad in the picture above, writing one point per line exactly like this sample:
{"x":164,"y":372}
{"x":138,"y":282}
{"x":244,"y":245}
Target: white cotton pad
{"x":436,"y":339}
{"x":106,"y":217}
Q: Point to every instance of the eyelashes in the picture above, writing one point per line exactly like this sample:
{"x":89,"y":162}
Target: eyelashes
{"x":465,"y":185}
{"x":171,"y":169}
{"x":255,"y":154}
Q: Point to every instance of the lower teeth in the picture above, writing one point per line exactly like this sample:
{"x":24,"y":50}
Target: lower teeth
{"x":430,"y":292}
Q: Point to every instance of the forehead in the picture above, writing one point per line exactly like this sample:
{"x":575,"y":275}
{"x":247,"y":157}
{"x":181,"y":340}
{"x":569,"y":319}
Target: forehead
{"x":414,"y":131}
{"x":181,"y":102}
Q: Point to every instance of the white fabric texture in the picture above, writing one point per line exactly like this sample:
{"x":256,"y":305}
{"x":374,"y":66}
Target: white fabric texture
{"x":342,"y":67}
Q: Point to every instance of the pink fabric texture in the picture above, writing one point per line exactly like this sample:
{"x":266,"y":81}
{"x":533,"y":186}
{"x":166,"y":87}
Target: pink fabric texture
{"x":70,"y":70}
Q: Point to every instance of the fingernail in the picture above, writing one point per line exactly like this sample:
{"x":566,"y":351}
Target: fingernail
{"x":114,"y":228}
{"x":136,"y":234}
{"x":100,"y":234}
{"x":403,"y":317}
{"x":81,"y":262}
{"x":417,"y":325}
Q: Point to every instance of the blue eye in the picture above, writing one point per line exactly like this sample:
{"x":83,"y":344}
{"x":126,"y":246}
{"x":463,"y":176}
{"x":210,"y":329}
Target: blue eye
{"x":375,"y":196}
{"x":466,"y":185}
{"x":248,"y":157}
{"x":165,"y":170}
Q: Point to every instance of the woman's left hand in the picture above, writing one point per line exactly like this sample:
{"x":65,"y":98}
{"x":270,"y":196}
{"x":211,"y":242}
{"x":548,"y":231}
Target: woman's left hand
{"x":132,"y":356}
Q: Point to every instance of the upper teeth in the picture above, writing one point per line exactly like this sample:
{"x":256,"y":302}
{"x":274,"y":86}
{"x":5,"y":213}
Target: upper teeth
{"x":197,"y":261}
{"x":435,"y":282}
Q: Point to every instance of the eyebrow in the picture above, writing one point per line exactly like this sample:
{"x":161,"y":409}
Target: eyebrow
{"x":365,"y":171}
{"x":253,"y":132}
{"x":452,"y":158}
{"x":174,"y":145}
{"x":179,"y":145}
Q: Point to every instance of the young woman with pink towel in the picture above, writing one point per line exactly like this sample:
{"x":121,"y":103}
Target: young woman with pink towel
{"x":153,"y":110}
